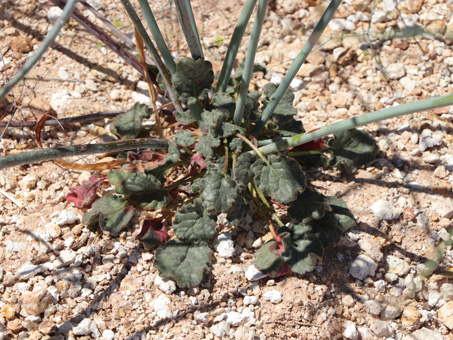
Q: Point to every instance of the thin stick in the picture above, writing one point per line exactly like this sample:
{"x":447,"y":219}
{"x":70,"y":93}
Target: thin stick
{"x":11,"y":198}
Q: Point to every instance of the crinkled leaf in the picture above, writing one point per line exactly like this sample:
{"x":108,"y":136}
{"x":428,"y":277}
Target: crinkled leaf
{"x":285,"y":106}
{"x":205,"y":145}
{"x":237,"y":77}
{"x":282,"y":180}
{"x":236,"y":145}
{"x":251,"y":112}
{"x":185,"y":138}
{"x":214,"y":121}
{"x":268,"y":259}
{"x":129,"y":125}
{"x":173,"y":153}
{"x":300,"y":254}
{"x":185,"y":117}
{"x":218,"y":192}
{"x":343,"y":215}
{"x":110,"y":213}
{"x":154,"y":201}
{"x":184,"y":262}
{"x":223,"y":101}
{"x":352,"y":149}
{"x":229,"y":129}
{"x":152,"y":233}
{"x":84,"y":195}
{"x":239,"y":210}
{"x":192,"y":77}
{"x":243,"y":173}
{"x":309,"y":204}
{"x":327,"y":229}
{"x":129,"y":182}
{"x":192,"y":223}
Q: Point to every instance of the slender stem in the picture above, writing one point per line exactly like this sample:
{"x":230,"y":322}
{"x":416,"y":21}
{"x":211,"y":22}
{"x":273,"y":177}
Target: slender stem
{"x":77,"y":150}
{"x":268,"y":206}
{"x":296,"y":65}
{"x":249,"y":61}
{"x":183,"y":181}
{"x":189,"y":27}
{"x":254,"y":148}
{"x":48,"y":40}
{"x":152,"y":49}
{"x":368,"y":118}
{"x":233,"y":47}
{"x":157,"y":35}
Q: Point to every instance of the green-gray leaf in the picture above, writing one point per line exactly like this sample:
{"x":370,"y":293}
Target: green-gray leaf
{"x":238,"y":211}
{"x":243,"y":173}
{"x":192,"y":223}
{"x":352,"y":149}
{"x":308,"y":205}
{"x":173,"y":153}
{"x":184,"y":262}
{"x":185,"y":138}
{"x":192,"y":77}
{"x":129,"y":182}
{"x":218,"y":192}
{"x":343,"y":215}
{"x":152,"y":201}
{"x":282,"y":180}
{"x":300,"y":254}
{"x":110,"y":213}
{"x":205,"y":145}
{"x":129,"y":125}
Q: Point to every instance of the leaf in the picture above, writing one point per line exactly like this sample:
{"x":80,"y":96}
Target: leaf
{"x":243,"y":173}
{"x":152,"y":233}
{"x":184,"y":138}
{"x":192,"y":78}
{"x":239,"y":210}
{"x":214,"y":120}
{"x":268,"y":259}
{"x":352,"y":149}
{"x":130,"y":182}
{"x":251,"y":112}
{"x":184,"y":262}
{"x":308,"y":205}
{"x":129,"y":125}
{"x":192,"y":223}
{"x":343,"y":215}
{"x":327,"y":229}
{"x":218,"y":192}
{"x":237,"y":77}
{"x":84,"y":195}
{"x":205,"y":145}
{"x":223,"y":101}
{"x":300,"y":255}
{"x":154,"y":201}
{"x":110,"y":213}
{"x":236,"y":145}
{"x":285,"y":106}
{"x":282,"y":180}
{"x":173,"y":153}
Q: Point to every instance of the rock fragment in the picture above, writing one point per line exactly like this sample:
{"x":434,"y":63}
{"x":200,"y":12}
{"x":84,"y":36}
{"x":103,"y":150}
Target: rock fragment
{"x":362,"y":267}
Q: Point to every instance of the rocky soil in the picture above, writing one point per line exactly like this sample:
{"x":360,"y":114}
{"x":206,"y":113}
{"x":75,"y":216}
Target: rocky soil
{"x":389,"y":278}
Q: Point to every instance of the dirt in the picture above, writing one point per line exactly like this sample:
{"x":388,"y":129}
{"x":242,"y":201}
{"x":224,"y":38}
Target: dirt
{"x":107,"y":287}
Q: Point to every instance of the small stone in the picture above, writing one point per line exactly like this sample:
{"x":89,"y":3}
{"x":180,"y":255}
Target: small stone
{"x":53,"y":230}
{"x":140,"y":98}
{"x":433,"y":297}
{"x":36,"y":302}
{"x":381,"y":328}
{"x":428,"y":139}
{"x":168,"y":286}
{"x":65,"y":258}
{"x":297,"y":84}
{"x":53,"y":14}
{"x":441,"y":172}
{"x":444,"y":208}
{"x":84,"y":327}
{"x":273,"y":296}
{"x":47,"y":327}
{"x":380,"y":285}
{"x":15,"y":326}
{"x":115,"y":94}
{"x":414,"y":5}
{"x":253,"y":274}
{"x":350,"y":331}
{"x":397,"y":266}
{"x":424,"y":334}
{"x":447,"y":291}
{"x":29,"y":270}
{"x":160,"y":306}
{"x":436,"y":27}
{"x":408,"y":84}
{"x":21,"y":44}
{"x":431,"y":158}
{"x":225,"y":245}
{"x":402,"y":44}
{"x":108,"y":334}
{"x":371,"y":247}
{"x":276,"y":78}
{"x":341,"y":25}
{"x":445,"y":314}
{"x":373,"y":307}
{"x":96,"y":4}
{"x":362,"y":267}
{"x":67,"y":217}
{"x":348,"y":301}
{"x":60,"y":100}
{"x":8,"y":311}
{"x":29,"y":181}
{"x":221,"y":329}
{"x":384,"y":210}
{"x":202,"y":318}
{"x":391,"y":312}
{"x":250,"y":300}
{"x":396,"y":71}
{"x":410,"y":316}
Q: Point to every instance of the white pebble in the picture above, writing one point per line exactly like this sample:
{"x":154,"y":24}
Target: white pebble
{"x":350,"y":332}
{"x":273,"y":296}
{"x":253,"y":274}
{"x":67,"y":217}
{"x":384,"y":210}
{"x":160,"y":306}
{"x":108,"y":334}
{"x":54,"y":13}
{"x":166,"y":285}
{"x":362,"y":267}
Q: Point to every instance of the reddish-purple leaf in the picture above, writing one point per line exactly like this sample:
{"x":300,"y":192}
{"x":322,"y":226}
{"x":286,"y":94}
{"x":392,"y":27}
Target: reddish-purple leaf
{"x":198,"y":160}
{"x":152,"y":233}
{"x":84,"y":195}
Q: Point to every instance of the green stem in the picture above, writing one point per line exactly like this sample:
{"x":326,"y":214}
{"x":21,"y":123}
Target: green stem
{"x":268,"y":206}
{"x":189,"y":27}
{"x":48,"y":40}
{"x":184,"y":181}
{"x":249,"y":61}
{"x":157,"y":35}
{"x":78,"y":150}
{"x":234,"y":44}
{"x":296,"y":65}
{"x":368,"y":118}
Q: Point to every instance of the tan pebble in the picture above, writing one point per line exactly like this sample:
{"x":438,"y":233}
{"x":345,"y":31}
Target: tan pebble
{"x":8,"y":311}
{"x":348,"y":301}
{"x":410,"y":316}
{"x":402,"y":44}
{"x":445,"y":314}
{"x":46,"y":327}
{"x":15,"y":326}
{"x":21,"y":45}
